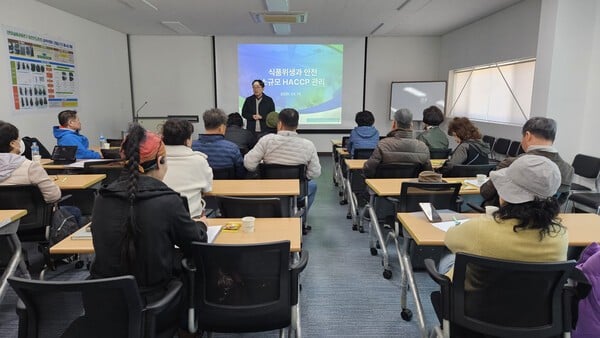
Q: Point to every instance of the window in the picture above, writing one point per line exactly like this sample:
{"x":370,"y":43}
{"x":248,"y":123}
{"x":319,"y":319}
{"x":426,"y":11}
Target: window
{"x":498,"y":92}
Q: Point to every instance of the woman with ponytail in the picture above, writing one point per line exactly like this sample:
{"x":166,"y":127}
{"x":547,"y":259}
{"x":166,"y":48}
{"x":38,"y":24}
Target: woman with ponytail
{"x":138,"y":220}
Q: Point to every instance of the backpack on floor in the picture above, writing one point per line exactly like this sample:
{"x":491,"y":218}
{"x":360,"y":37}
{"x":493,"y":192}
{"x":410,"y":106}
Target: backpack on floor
{"x":63,"y":224}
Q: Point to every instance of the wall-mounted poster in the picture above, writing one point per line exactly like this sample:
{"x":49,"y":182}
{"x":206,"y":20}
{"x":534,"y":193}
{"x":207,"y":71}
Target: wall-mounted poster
{"x":42,"y":71}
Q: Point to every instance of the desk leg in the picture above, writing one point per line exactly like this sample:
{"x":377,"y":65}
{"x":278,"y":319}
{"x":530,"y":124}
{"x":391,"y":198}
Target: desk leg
{"x":408,"y":275}
{"x":14,"y":262}
{"x":351,"y":201}
{"x":374,"y":227}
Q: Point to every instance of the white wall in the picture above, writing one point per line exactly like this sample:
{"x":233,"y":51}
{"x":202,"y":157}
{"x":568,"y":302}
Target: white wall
{"x":567,"y":75}
{"x":506,"y":35}
{"x":101,"y":65}
{"x":174,"y":74}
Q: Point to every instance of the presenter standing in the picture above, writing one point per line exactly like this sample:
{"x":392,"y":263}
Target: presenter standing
{"x":256,"y":107}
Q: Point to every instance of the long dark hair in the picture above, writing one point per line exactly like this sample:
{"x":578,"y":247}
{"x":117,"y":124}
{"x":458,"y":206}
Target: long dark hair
{"x":538,"y":214}
{"x":131,"y":150}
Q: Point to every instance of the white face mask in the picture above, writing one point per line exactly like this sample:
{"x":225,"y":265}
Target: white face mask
{"x":21,"y":147}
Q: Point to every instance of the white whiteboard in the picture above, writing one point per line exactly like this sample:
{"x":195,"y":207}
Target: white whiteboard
{"x":416,"y":96}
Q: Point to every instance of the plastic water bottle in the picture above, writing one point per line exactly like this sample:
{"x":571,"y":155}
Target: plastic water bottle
{"x":35,"y":152}
{"x":102,"y":140}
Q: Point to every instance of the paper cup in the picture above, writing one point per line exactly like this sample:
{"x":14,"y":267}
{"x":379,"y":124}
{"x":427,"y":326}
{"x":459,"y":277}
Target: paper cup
{"x":490,"y":210}
{"x":248,"y":224}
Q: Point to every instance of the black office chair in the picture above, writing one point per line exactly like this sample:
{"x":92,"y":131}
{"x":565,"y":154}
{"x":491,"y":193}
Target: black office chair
{"x":439,"y":154}
{"x":362,"y":153}
{"x":441,"y":196}
{"x":585,"y":202}
{"x":500,"y":147}
{"x":224,"y":173}
{"x":489,"y":140}
{"x":28,"y":141}
{"x":469,"y":170}
{"x":280,"y":171}
{"x":513,"y":149}
{"x":244,"y":288}
{"x":345,"y":140}
{"x":586,"y":167}
{"x":398,"y":170}
{"x":237,"y":207}
{"x":33,"y":226}
{"x":110,"y":307}
{"x":529,"y":299}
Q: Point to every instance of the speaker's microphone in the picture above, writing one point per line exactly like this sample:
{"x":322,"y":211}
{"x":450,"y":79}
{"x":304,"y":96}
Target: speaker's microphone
{"x":138,"y":110}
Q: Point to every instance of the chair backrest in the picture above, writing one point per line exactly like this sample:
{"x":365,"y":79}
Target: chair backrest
{"x":471,"y":170}
{"x":440,"y":195}
{"x":108,"y":307}
{"x":236,"y":207}
{"x":513,"y":149}
{"x":489,"y":140}
{"x":345,"y":140}
{"x":501,"y":146}
{"x":28,"y":142}
{"x":362,"y":153}
{"x":586,"y":166}
{"x":439,"y":154}
{"x":243,"y":288}
{"x":398,"y":170}
{"x":280,"y":171}
{"x":527,"y":297}
{"x":224,"y":173}
{"x":32,"y":227}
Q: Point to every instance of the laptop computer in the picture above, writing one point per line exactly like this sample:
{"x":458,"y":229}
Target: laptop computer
{"x":111,"y":153}
{"x":64,"y":154}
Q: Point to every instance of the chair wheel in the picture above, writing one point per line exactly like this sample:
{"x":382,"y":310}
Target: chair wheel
{"x":406,"y":314}
{"x":348,"y":216}
{"x":340,"y":193}
{"x":361,"y":229}
{"x":79,"y":265}
{"x":354,"y":227}
{"x":387,"y":274}
{"x":343,"y":202}
{"x":373,"y":252}
{"x":377,"y":245}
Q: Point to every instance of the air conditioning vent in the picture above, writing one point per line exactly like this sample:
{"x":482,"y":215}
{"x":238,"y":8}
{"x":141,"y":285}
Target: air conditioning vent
{"x":279,"y":17}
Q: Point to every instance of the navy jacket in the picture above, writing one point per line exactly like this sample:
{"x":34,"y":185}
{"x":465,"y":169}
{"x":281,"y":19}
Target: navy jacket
{"x":221,"y":153}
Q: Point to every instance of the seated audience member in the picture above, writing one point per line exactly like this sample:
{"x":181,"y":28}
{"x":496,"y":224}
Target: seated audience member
{"x":140,"y":221}
{"x":399,"y":146}
{"x":526,"y":227}
{"x":189,"y":173}
{"x":538,"y":139}
{"x":433,"y":136}
{"x":237,"y":134}
{"x":588,"y":322}
{"x":364,"y":136}
{"x":270,"y":124}
{"x":287,"y":148}
{"x":67,"y":134}
{"x":221,"y":153}
{"x":17,"y":170}
{"x":471,"y":149}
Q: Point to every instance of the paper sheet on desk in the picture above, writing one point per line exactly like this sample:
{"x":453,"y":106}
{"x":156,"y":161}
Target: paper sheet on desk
{"x":212,"y":232}
{"x":81,"y":163}
{"x":475,"y":183}
{"x":444,"y":226}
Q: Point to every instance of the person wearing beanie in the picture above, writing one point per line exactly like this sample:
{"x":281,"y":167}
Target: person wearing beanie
{"x":137,"y":222}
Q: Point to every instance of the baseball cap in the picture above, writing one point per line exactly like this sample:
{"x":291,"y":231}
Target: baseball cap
{"x":528,"y":177}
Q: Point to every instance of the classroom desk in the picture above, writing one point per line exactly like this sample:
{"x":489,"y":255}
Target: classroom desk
{"x":388,"y":187}
{"x":358,"y":164}
{"x":352,"y":183}
{"x":265,"y":230}
{"x":287,"y":189}
{"x":583,"y":229}
{"x":335,"y":143}
{"x":102,"y":164}
{"x":9,"y":224}
{"x":78,"y":182}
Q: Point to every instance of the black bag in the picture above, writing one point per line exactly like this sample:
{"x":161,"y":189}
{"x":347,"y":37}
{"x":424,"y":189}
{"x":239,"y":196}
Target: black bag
{"x":63,"y":224}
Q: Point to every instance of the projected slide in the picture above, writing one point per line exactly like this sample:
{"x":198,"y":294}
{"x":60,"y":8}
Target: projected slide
{"x":307,"y":77}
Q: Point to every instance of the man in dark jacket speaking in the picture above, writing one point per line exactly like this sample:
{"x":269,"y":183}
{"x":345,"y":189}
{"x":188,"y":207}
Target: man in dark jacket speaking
{"x":256,"y":107}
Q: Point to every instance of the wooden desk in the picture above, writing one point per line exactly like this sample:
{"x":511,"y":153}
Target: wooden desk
{"x":342,"y":151}
{"x":255,"y":188}
{"x":336,"y":142}
{"x":77,"y":182}
{"x":391,"y":186}
{"x":50,"y":167}
{"x":265,"y":230}
{"x":358,"y":164}
{"x":583,"y":229}
{"x":9,"y":224}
